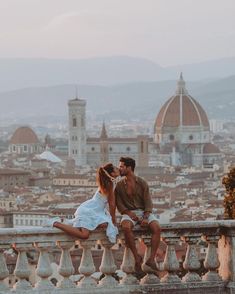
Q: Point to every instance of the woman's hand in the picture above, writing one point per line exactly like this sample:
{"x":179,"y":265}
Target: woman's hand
{"x":114,"y":221}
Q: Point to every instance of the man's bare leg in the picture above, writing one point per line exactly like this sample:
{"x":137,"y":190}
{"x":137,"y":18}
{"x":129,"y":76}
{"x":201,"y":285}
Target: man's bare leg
{"x":155,"y":240}
{"x":127,"y":227}
{"x":80,"y":233}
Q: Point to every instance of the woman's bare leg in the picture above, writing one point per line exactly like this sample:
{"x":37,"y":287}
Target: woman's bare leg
{"x":80,"y":233}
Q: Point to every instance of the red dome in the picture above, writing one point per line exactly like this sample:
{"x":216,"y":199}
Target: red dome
{"x":24,"y":135}
{"x":210,"y":148}
{"x":181,"y":110}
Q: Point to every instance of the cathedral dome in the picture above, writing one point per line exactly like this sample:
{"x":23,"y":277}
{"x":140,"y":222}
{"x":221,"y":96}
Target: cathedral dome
{"x":24,"y":135}
{"x":181,"y":110}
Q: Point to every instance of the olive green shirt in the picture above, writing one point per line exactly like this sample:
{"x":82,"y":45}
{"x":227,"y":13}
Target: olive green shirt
{"x":139,"y":200}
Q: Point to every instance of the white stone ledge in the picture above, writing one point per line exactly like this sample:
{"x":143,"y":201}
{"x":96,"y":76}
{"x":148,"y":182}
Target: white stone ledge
{"x":221,"y":232}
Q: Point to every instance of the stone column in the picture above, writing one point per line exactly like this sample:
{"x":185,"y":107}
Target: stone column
{"x":66,"y":268}
{"x":211,"y":262}
{"x":128,"y":267}
{"x":87,"y":267}
{"x":4,"y":273}
{"x":22,"y":270}
{"x":108,"y":266}
{"x":44,"y":270}
{"x":171,"y":263}
{"x":191,"y":262}
{"x":150,"y":277}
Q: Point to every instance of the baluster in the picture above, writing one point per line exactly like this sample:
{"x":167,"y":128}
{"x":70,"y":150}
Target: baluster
{"x":191,"y":262}
{"x":22,"y":270}
{"x":108,"y":266}
{"x":171,"y":263}
{"x":150,"y":277}
{"x":128,"y":267}
{"x":4,"y":273}
{"x":66,"y":268}
{"x":44,"y":270}
{"x":87,"y":267}
{"x":211,"y":262}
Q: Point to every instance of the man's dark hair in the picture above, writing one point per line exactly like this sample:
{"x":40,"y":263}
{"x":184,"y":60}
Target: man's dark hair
{"x":128,"y":161}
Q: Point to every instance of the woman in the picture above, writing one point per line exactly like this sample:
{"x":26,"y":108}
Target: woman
{"x":93,"y":213}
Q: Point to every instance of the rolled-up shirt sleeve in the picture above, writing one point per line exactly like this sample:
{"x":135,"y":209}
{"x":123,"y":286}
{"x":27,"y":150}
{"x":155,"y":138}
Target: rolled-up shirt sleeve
{"x":147,"y":199}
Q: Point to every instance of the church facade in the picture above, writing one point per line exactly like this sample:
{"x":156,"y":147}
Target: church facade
{"x":181,"y":137}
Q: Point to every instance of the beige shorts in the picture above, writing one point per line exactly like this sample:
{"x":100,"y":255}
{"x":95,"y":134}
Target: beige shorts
{"x":139,"y":213}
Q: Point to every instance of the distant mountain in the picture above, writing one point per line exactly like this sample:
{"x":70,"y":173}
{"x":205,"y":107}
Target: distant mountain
{"x":211,"y":69}
{"x":130,"y":100}
{"x":26,"y":73}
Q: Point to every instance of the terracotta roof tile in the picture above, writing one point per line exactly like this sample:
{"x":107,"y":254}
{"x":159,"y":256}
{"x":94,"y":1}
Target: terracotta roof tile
{"x":24,"y":135}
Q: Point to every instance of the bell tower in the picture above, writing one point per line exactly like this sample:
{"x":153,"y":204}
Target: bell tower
{"x":104,"y":153}
{"x":77,"y":131}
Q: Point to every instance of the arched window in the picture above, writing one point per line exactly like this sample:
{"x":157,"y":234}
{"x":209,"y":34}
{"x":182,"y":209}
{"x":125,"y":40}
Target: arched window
{"x":74,"y":122}
{"x":171,"y":137}
{"x":191,"y":137}
{"x":128,"y":148}
{"x":142,"y":147}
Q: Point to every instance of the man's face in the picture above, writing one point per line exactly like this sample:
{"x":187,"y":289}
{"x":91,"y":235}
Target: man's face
{"x":122,"y":169}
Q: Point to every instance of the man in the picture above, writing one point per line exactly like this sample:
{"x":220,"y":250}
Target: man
{"x":134,"y":203}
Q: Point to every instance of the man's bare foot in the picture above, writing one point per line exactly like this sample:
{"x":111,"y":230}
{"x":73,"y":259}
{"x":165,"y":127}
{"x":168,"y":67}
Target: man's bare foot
{"x":138,"y":264}
{"x":151,"y":264}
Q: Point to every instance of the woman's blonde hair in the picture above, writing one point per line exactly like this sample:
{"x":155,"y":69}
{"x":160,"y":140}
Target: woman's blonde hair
{"x":104,"y":178}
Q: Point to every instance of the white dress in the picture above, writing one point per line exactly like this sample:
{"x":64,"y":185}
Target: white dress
{"x":94,"y":212}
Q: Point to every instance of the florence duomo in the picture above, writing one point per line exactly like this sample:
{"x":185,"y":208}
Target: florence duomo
{"x":181,"y":136}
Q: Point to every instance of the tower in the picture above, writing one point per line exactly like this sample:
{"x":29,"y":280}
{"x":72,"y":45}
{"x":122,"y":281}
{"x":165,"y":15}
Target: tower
{"x":77,"y":131}
{"x":143,"y":152}
{"x":104,"y":155}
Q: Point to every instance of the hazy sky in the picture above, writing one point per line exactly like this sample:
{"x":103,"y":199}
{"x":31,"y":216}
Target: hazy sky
{"x":168,"y":32}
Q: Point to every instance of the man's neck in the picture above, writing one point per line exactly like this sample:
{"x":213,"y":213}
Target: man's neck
{"x":130,"y":176}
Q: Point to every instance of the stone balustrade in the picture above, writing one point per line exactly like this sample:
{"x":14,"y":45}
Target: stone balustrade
{"x":216,"y":238}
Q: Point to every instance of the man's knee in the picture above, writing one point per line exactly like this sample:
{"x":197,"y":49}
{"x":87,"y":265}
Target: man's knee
{"x":155,"y":227}
{"x":126,"y":225}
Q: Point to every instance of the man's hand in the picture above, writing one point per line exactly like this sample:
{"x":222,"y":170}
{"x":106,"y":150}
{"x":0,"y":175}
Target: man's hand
{"x":132,"y":215}
{"x":144,"y":222}
{"x":114,"y":221}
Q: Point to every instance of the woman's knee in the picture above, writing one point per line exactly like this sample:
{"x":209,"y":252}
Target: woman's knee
{"x":83,"y":234}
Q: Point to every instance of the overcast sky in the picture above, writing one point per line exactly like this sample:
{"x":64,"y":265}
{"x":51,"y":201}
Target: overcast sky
{"x":168,"y":32}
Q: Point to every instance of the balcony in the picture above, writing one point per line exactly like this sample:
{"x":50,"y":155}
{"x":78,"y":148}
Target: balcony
{"x":216,"y":238}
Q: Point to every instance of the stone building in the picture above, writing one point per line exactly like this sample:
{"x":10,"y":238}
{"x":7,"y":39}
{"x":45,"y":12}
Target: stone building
{"x":24,"y":141}
{"x":9,"y":178}
{"x":77,"y":131}
{"x":181,"y":136}
{"x":182,"y":131}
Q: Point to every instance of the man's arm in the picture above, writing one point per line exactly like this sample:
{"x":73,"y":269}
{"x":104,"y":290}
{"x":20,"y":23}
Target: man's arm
{"x":147,"y":201}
